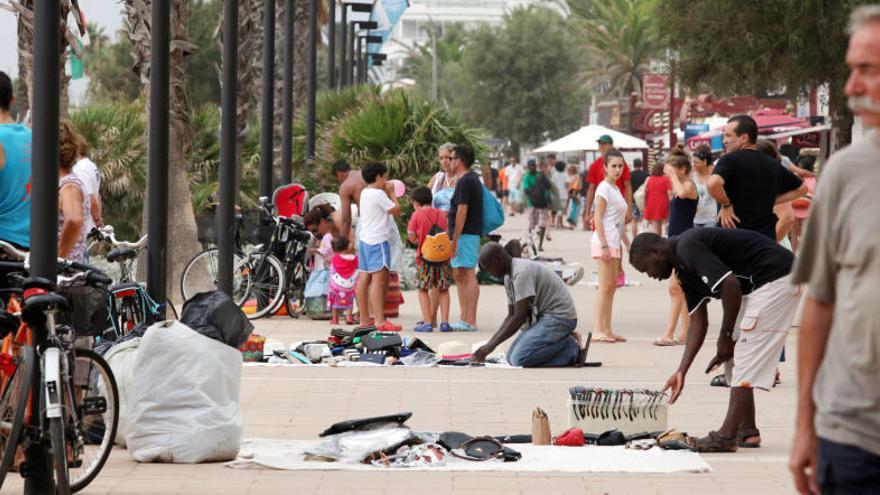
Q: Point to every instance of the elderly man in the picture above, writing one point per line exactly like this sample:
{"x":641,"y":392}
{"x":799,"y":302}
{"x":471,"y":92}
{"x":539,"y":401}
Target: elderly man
{"x":532,"y":290}
{"x":837,"y":439}
{"x":726,"y":264}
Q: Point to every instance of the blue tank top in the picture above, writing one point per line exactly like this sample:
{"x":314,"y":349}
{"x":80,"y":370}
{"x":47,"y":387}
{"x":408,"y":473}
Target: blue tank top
{"x":681,"y":214}
{"x":443,"y":199}
{"x":15,"y":185}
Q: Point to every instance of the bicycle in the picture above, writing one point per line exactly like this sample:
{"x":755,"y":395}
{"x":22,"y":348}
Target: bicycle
{"x":67,"y":396}
{"x":276,"y":273}
{"x":130,"y":303}
{"x":202,"y":272}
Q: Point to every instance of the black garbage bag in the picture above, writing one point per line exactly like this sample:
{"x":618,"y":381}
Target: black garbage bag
{"x":214,"y":315}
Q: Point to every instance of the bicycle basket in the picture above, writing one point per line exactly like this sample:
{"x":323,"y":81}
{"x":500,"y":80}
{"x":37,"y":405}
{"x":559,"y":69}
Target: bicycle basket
{"x":256,"y":230}
{"x":206,"y":225}
{"x":291,"y":200}
{"x":90,"y":310}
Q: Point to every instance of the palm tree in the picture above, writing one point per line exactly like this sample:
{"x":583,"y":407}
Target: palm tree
{"x":617,"y":42}
{"x":182,"y":232}
{"x":24,"y":11}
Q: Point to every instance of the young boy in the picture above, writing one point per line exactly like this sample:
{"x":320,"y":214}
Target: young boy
{"x":434,"y":278}
{"x":378,"y":206}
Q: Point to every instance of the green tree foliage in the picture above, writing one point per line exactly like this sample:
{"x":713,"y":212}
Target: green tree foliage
{"x":519,"y":77}
{"x":777,"y":46}
{"x":418,"y":65}
{"x":109,"y":60}
{"x":617,"y":42}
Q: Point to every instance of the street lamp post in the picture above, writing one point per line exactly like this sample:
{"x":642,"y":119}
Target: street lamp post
{"x":363,"y":53}
{"x":44,"y":203}
{"x":312,"y":81}
{"x":343,"y":53}
{"x":267,"y":117}
{"x":157,"y":161}
{"x":287,"y":98}
{"x":331,"y":46}
{"x":226,"y":208}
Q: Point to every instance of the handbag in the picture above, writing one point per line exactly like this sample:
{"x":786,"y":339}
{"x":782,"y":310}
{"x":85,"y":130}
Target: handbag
{"x":640,"y":193}
{"x":436,"y":247}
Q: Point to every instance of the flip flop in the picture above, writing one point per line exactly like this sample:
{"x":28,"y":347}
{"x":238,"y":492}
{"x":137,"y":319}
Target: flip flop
{"x":618,"y":338}
{"x":605,"y":340}
{"x":664,"y":342}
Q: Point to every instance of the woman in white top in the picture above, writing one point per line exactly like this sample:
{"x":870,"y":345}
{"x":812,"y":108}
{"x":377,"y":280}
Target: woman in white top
{"x":606,"y":246}
{"x":707,"y":208}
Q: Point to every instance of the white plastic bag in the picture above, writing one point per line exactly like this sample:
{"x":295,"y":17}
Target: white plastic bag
{"x":184,"y":398}
{"x":121,"y":359}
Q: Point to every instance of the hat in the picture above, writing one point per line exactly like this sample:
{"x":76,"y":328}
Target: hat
{"x":531,"y":162}
{"x":605,"y":139}
{"x":454,"y":349}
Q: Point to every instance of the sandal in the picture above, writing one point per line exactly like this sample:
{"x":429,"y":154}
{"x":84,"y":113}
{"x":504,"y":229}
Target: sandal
{"x":743,"y":435}
{"x":719,"y":381}
{"x":714,"y":442}
{"x":605,"y":340}
{"x":664,"y":342}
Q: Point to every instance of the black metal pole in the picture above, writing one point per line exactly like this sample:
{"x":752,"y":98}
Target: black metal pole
{"x":331,"y":46}
{"x":267,"y":121}
{"x":157,"y":158}
{"x":343,"y":70}
{"x":226,"y":208}
{"x":44,"y":202}
{"x":350,"y":49}
{"x":287,"y":99}
{"x":313,"y":80}
{"x":360,"y":67}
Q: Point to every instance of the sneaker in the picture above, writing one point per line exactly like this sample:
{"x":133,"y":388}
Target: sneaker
{"x":463,"y":326}
{"x":423,"y":327}
{"x":389,"y":327}
{"x":445,"y":327}
{"x":349,"y":321}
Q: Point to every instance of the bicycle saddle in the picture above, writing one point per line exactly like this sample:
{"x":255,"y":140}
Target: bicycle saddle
{"x":39,"y":296}
{"x":121,"y":254}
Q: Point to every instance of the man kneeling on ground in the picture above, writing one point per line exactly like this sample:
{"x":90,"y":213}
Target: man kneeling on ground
{"x":728,"y":264}
{"x":532,"y":289}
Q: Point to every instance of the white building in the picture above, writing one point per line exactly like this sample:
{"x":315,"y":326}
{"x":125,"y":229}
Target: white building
{"x":412,"y":26}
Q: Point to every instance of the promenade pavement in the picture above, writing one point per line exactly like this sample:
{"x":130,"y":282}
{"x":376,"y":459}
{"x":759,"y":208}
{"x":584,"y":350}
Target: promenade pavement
{"x":299,"y":402}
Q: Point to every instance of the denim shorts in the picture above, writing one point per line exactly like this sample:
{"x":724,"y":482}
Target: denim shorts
{"x":467,"y":253}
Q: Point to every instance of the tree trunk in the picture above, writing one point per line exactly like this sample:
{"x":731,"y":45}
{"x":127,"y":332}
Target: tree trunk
{"x":182,"y":233}
{"x":841,"y":119}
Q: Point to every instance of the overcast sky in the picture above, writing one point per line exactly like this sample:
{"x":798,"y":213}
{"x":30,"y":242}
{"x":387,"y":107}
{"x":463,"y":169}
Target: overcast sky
{"x":104,"y":13}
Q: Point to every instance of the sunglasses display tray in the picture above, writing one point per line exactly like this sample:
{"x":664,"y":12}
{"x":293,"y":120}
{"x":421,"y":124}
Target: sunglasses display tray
{"x":596,"y":410}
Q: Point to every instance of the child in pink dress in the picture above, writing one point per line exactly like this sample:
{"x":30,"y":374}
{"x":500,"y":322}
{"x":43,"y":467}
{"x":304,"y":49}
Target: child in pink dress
{"x":343,"y":281}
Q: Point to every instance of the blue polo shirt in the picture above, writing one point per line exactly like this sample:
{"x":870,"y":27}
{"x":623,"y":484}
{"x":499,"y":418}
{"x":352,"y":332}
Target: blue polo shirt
{"x":15,"y":185}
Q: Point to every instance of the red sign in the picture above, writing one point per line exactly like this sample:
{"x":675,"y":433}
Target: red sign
{"x":655,"y":91}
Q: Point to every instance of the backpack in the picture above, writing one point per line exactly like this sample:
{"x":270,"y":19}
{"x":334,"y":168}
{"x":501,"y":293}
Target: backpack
{"x":639,"y":196}
{"x":539,"y":195}
{"x":436,"y":247}
{"x":493,"y":212}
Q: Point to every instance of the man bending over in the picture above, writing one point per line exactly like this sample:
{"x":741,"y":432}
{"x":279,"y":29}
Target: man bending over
{"x":728,"y":264}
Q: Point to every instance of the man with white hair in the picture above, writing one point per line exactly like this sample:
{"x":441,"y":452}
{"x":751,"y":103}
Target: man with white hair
{"x":837,"y":438}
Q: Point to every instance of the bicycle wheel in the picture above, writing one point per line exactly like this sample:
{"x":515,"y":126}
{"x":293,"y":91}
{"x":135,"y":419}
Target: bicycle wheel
{"x":202,"y":273}
{"x":59,"y":455}
{"x":97,"y":417}
{"x":294,"y":300}
{"x":13,"y":404}
{"x":262,"y":287}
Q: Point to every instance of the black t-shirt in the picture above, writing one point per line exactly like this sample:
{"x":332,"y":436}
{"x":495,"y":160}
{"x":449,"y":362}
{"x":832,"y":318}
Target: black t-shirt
{"x":752,"y":180}
{"x":468,"y":191}
{"x":705,"y":257}
{"x":638,"y":178}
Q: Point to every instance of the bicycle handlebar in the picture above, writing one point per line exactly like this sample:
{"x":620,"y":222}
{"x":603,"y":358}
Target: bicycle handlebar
{"x":13,"y":251}
{"x":106,"y":233}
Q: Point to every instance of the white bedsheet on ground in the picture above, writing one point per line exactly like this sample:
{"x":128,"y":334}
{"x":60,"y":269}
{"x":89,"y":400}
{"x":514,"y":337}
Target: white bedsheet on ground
{"x":262,"y":453}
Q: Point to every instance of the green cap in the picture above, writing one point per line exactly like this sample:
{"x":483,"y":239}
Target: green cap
{"x":605,"y":139}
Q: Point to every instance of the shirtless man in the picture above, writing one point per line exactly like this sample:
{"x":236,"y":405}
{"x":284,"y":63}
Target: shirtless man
{"x":351,"y":183}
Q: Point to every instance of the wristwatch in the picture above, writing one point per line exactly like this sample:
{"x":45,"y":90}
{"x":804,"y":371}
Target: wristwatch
{"x":726,"y":205}
{"x":727,"y":333}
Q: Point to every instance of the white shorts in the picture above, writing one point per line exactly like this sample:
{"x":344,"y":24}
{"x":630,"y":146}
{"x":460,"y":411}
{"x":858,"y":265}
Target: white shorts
{"x":762,"y":324}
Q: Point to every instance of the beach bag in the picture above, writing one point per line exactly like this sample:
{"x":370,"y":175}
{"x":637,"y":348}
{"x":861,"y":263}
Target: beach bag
{"x":639,"y":196}
{"x":436,"y":248}
{"x":493,"y":212}
{"x":318,"y":284}
{"x":539,"y":195}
